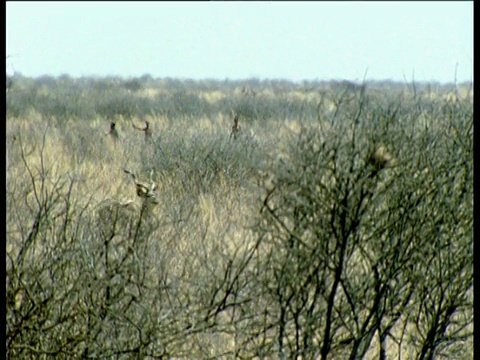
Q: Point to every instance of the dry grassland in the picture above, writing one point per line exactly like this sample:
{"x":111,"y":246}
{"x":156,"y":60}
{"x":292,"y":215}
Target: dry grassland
{"x":211,"y":193}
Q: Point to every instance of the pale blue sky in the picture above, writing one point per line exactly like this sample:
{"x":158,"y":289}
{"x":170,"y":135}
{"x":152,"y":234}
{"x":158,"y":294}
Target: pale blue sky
{"x":239,"y":40}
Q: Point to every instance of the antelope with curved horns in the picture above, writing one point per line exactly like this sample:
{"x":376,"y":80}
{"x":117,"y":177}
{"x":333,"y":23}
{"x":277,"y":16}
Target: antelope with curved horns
{"x":146,"y":129}
{"x":143,"y":189}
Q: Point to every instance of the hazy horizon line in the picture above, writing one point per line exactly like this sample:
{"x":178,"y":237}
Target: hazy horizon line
{"x":247,"y":79}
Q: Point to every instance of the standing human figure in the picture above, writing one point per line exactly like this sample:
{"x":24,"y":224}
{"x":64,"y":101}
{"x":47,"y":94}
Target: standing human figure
{"x":235,"y":128}
{"x":113,"y":131}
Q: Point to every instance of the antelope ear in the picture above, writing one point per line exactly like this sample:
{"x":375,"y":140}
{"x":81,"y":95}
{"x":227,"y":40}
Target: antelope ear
{"x":153,"y":187}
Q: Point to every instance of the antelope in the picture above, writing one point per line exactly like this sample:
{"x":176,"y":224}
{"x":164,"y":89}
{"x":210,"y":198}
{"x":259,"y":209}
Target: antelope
{"x":143,"y":189}
{"x":146,"y":129}
{"x":235,"y":128}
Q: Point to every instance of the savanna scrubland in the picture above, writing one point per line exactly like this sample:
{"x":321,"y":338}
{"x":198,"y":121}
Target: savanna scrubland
{"x":337,"y":224}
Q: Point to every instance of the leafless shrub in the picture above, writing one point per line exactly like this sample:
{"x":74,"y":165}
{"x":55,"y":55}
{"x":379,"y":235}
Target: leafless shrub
{"x":345,"y":252}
